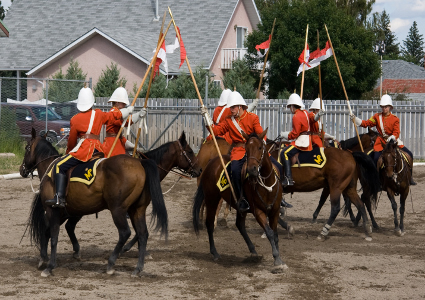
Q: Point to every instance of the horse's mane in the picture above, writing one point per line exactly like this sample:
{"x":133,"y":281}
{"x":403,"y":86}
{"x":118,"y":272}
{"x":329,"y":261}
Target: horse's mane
{"x":253,"y":135}
{"x":350,"y":143}
{"x":45,"y":149}
{"x":157,"y":154}
{"x":391,"y":143}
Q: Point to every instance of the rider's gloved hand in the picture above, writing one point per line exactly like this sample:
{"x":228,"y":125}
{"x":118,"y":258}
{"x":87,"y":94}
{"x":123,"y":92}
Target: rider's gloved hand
{"x":284,"y":134}
{"x":391,"y":138}
{"x":320,"y":113}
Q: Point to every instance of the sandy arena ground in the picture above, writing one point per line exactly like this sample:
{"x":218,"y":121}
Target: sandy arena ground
{"x":345,"y":266}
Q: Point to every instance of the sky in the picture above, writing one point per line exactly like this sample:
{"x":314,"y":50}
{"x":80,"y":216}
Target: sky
{"x":402,"y":14}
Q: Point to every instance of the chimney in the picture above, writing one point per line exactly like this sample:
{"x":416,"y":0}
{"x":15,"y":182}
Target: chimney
{"x":156,"y":18}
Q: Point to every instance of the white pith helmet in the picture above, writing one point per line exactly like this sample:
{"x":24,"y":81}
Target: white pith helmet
{"x":316,"y":104}
{"x":386,"y":100}
{"x":120,"y":95}
{"x":224,"y":97}
{"x":236,"y":99}
{"x":85,"y":99}
{"x":296,"y":100}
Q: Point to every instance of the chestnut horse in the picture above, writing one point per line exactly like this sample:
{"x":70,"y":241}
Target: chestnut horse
{"x":122,"y":184}
{"x":394,"y":173}
{"x":262,"y":190}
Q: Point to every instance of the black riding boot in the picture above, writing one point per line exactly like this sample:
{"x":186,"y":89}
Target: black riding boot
{"x":241,"y":204}
{"x":283,"y":203}
{"x":287,"y":177}
{"x":59,"y":198}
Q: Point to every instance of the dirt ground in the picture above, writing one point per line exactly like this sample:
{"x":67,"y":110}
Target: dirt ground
{"x":345,"y":266}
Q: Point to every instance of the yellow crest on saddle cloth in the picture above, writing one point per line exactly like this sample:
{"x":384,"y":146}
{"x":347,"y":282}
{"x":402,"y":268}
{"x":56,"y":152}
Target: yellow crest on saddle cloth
{"x":315,"y":158}
{"x":222,"y":182}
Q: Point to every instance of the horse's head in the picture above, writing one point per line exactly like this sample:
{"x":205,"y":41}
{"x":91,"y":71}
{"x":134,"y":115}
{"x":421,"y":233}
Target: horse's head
{"x":369,"y":139}
{"x":187,"y":160}
{"x":390,"y":159}
{"x":29,"y":160}
{"x":255,"y":152}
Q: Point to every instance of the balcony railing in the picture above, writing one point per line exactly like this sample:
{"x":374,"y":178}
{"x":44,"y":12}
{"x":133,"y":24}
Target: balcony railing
{"x":228,"y":55}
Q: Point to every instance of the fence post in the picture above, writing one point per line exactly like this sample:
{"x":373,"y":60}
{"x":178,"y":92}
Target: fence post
{"x":47,"y":101}
{"x":18,"y":85}
{"x":0,"y":103}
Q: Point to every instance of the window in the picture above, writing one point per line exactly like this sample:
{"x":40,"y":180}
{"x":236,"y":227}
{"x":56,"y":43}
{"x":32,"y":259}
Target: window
{"x":241,"y":33}
{"x":22,"y":113}
{"x":217,"y":82}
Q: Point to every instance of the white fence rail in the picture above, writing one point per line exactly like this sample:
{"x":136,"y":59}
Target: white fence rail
{"x":273,"y":114}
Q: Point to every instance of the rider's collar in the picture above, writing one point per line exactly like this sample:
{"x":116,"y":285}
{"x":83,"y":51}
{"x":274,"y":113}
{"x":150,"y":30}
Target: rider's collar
{"x":243,"y":115}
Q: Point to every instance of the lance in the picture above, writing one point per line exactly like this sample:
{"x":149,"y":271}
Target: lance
{"x":142,"y":122}
{"x":202,"y":104}
{"x":343,"y":87}
{"x":322,"y":134}
{"x":265,"y":60}
{"x":305,"y":52}
{"x":138,"y":91}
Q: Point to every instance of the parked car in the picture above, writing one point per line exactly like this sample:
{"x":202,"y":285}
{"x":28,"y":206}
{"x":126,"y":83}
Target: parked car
{"x":31,"y":115}
{"x":65,"y":110}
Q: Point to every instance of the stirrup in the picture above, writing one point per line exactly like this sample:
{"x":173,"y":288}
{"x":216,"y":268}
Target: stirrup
{"x":243,"y":205}
{"x":287,"y":181}
{"x":56,"y":202}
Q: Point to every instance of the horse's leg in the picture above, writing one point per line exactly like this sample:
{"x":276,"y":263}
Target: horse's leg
{"x":44,"y":258}
{"x":226,"y":211}
{"x":124,"y":232}
{"x":220,"y":203}
{"x":403,"y":197}
{"x":130,"y":244}
{"x":323,"y":197}
{"x":139,"y":220}
{"x":70,"y":229}
{"x":211,"y":208}
{"x":240,"y":224}
{"x":366,"y":201}
{"x":53,"y":215}
{"x":335,"y":195}
{"x":289,"y":228}
{"x":351,"y":193}
{"x":201,"y":213}
{"x":354,"y":219}
{"x":391,"y":196}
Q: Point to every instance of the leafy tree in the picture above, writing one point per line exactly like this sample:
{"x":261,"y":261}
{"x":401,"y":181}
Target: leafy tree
{"x":64,"y":91}
{"x":358,"y":64}
{"x":413,"y":49}
{"x":109,"y":81}
{"x":380,"y":24}
{"x":359,"y":9}
{"x":241,"y":78}
{"x":2,"y":12}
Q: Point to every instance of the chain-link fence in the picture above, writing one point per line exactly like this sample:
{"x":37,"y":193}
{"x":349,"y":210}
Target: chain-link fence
{"x":44,"y":104}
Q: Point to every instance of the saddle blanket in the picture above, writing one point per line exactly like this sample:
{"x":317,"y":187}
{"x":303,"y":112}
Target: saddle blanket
{"x":315,"y":158}
{"x":84,"y":172}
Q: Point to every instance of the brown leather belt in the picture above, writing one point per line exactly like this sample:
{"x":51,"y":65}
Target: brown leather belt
{"x":306,"y":133}
{"x":239,"y":145}
{"x":111,"y":134}
{"x":91,"y":136}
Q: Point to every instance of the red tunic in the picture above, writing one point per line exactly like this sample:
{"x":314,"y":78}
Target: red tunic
{"x":226,"y":113}
{"x":113,"y":126}
{"x":249,"y":123}
{"x":300,"y":123}
{"x":391,"y":127}
{"x":314,"y":128}
{"x":79,"y":126}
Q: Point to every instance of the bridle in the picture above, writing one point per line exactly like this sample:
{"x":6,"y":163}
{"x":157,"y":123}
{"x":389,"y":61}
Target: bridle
{"x":30,"y":171}
{"x":394,"y":156}
{"x":191,"y":164}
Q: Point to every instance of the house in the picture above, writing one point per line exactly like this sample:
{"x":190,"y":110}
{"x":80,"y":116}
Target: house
{"x":402,"y":77}
{"x":4,"y":32}
{"x":48,"y":33}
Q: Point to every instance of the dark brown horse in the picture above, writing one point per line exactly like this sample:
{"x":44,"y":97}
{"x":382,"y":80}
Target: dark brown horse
{"x":177,"y":154}
{"x":262,"y":190}
{"x":394,"y":173}
{"x":122,"y":184}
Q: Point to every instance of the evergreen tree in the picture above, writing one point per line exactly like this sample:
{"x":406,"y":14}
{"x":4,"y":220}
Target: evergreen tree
{"x":64,"y":91}
{"x":413,"y":49}
{"x":359,"y":9}
{"x":241,"y":78}
{"x":380,"y":24}
{"x":109,"y":81}
{"x":2,"y":12}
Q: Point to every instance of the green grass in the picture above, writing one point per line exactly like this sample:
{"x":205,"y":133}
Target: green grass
{"x":10,"y":164}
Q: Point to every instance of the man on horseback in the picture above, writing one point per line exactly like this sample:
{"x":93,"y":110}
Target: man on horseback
{"x":240,"y":120}
{"x":388,"y":126}
{"x":86,"y":126}
{"x":119,"y":100}
{"x":315,"y":124}
{"x":300,"y":133}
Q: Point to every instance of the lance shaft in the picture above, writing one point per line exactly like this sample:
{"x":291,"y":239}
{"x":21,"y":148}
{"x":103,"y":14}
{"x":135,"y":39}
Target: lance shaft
{"x":343,"y":87}
{"x":305,"y":52}
{"x":322,"y":134}
{"x":202,"y":104}
{"x":265,"y":61}
{"x":138,"y":91}
{"x":149,"y":85}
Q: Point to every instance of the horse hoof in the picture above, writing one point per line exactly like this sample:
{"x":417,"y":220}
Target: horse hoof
{"x":279,"y":269}
{"x":76,"y":255}
{"x":136,"y":274}
{"x":291,"y":230}
{"x":398,"y":233}
{"x":263,"y":236}
{"x":110,"y":271}
{"x":368,"y":238}
{"x":217,"y":257}
{"x":148,"y":257}
{"x":321,"y":238}
{"x":314,"y":221}
{"x":45,"y":273}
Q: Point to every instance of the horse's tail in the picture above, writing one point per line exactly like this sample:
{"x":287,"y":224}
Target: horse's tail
{"x":197,"y":203}
{"x":37,"y":222}
{"x":369,"y":177}
{"x":159,"y":211}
